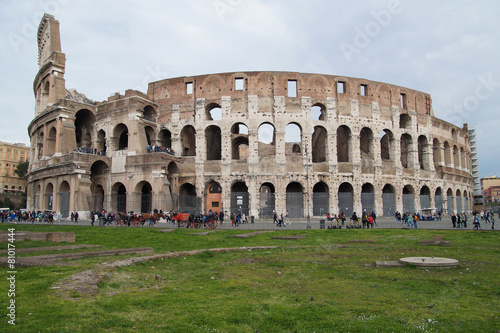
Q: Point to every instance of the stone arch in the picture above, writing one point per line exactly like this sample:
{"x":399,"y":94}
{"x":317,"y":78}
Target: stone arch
{"x":188,"y":141}
{"x":150,"y":135}
{"x":267,"y":200}
{"x":406,"y":150}
{"x":149,"y":113}
{"x":120,"y":134}
{"x":64,"y":194}
{"x":346,"y":199}
{"x":267,"y":139}
{"x":408,"y":199}
{"x":389,"y":200}
{"x":387,"y":145}
{"x":146,"y":191}
{"x":450,"y":204}
{"x":49,"y":196}
{"x":240,"y":198}
{"x":119,"y":197}
{"x":447,"y":154}
{"x":319,"y":144}
{"x":165,"y":138}
{"x":366,"y":148}
{"x":368,"y":198}
{"x":295,"y":200}
{"x":344,"y":144}
{"x":436,"y":152}
{"x":458,"y":199}
{"x":456,"y":157}
{"x":213,"y":199}
{"x":239,"y":142}
{"x":438,"y":199}
{"x":293,"y":133}
{"x":213,"y":111}
{"x":101,"y":142}
{"x":188,"y":201}
{"x":318,"y":112}
{"x":423,"y":152}
{"x":51,"y":142}
{"x":213,"y":140}
{"x":320,"y":199}
{"x":425,"y":197}
{"x":84,"y":123}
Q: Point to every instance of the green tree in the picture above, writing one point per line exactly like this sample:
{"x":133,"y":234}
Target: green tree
{"x":22,"y":169}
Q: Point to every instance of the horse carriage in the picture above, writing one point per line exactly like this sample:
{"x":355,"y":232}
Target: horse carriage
{"x":137,"y":220}
{"x":195,"y":221}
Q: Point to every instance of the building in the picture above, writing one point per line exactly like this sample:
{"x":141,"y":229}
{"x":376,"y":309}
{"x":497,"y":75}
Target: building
{"x":252,"y":142}
{"x":11,"y":154}
{"x":490,"y":187}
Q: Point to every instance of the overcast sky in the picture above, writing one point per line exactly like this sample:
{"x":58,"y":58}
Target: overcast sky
{"x":449,"y":49}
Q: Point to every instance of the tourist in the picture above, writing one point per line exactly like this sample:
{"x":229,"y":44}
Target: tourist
{"x":374,"y":216}
{"x":371,"y":221}
{"x":453,"y":220}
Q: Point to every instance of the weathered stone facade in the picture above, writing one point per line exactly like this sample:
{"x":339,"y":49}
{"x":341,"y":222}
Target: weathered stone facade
{"x":249,"y":141}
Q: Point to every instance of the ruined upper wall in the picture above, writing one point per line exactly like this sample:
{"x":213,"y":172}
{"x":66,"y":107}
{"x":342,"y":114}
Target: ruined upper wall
{"x":267,"y":85}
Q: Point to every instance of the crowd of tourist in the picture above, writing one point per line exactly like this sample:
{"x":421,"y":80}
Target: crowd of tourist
{"x":91,"y":150}
{"x":160,"y":149}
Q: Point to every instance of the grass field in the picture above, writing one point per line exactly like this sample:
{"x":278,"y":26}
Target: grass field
{"x":324,"y":282}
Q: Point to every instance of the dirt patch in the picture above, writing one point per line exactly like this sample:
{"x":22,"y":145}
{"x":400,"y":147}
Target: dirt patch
{"x":437,"y":240}
{"x":368,"y":240}
{"x":292,"y":237}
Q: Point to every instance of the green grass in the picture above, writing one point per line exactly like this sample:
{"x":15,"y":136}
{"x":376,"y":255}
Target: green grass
{"x":316,"y":284}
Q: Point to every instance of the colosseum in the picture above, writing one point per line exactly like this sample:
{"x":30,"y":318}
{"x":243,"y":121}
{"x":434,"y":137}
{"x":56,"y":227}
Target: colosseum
{"x":252,"y":142}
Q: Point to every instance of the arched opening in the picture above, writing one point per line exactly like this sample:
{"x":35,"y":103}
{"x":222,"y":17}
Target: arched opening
{"x":459,"y":202}
{"x":97,"y":203}
{"x":293,"y":136}
{"x":213,"y":198}
{"x":465,"y":206}
{"x":239,"y":198}
{"x":447,"y":154}
{"x":84,"y":123}
{"x":320,"y":199}
{"x":408,"y":199}
{"x":146,"y":197}
{"x":39,"y":146}
{"x":295,"y":200}
{"x":436,"y":152}
{"x":318,"y":112}
{"x":405,"y":121}
{"x":150,"y":135}
{"x":267,"y":200}
{"x":423,"y":152}
{"x":188,"y":202}
{"x":368,"y":198}
{"x":438,"y":199}
{"x":425,"y":197}
{"x":345,"y":195}
{"x":64,"y":191}
{"x":172,"y":176}
{"x":319,"y":144}
{"x":386,"y":145}
{"x":51,"y":142}
{"x":49,"y":196}
{"x":450,"y":204}
{"x":214,"y":143}
{"x":406,"y":151}
{"x":267,"y":140}
{"x":165,"y":139}
{"x":389,"y":200}
{"x":101,"y":142}
{"x":366,"y":150}
{"x":344,"y":144}
{"x":98,"y":175}
{"x":456,"y":157}
{"x":239,"y":142}
{"x":119,"y":197}
{"x":120,"y":134}
{"x":188,"y":141}
{"x":149,"y":113}
{"x":213,"y":111}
